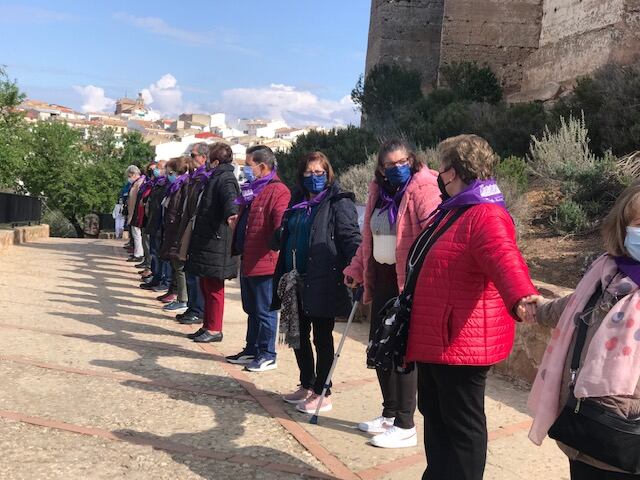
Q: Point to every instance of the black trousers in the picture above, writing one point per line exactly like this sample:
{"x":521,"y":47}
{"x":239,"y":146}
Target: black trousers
{"x":451,"y":398}
{"x":398,"y":390}
{"x":313,"y":373}
{"x":582,"y":471}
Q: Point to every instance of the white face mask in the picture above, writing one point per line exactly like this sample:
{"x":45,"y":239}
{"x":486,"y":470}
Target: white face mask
{"x":632,"y":242}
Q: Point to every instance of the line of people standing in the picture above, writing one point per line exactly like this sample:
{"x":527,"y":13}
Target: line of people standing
{"x":444,"y":238}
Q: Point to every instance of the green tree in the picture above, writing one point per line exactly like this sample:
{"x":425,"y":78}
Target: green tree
{"x":472,"y":83}
{"x":344,"y":148}
{"x":387,"y":96}
{"x":12,"y":131}
{"x":136,"y":151}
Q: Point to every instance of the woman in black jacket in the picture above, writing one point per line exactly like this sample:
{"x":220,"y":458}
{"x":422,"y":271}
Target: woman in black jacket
{"x":209,"y":254}
{"x":320,"y":236}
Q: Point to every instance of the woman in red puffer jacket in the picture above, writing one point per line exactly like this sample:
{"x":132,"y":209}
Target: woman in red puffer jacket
{"x":471,"y":285}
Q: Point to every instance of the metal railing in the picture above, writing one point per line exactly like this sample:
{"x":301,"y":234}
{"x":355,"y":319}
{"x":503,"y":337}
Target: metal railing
{"x":19,"y":209}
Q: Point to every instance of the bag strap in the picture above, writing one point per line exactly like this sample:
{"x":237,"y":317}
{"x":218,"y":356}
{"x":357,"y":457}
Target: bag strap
{"x":423,"y":244}
{"x":582,"y":331}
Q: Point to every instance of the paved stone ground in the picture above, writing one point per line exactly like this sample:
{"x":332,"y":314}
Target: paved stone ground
{"x":97,"y":382}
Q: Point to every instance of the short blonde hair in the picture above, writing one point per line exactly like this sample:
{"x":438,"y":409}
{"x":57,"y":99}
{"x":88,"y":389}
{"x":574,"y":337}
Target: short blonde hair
{"x":624,"y":211}
{"x":470,"y":156}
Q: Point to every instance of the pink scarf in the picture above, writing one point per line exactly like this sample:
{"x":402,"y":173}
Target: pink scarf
{"x":612,"y":363}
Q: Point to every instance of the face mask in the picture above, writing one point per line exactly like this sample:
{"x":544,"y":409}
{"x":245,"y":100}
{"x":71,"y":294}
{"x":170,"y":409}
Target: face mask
{"x":248,"y":173}
{"x":398,"y":175}
{"x":156,"y":172}
{"x":443,"y":187}
{"x":632,"y":242}
{"x":172,"y":178}
{"x":315,"y":184}
{"x":130,"y":180}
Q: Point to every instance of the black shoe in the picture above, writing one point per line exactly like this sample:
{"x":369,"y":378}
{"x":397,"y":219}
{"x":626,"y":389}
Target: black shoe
{"x":134,"y":259}
{"x":207,"y":337}
{"x":142,"y":265}
{"x":197,"y":333}
{"x":191,"y":319}
{"x":149,"y":286}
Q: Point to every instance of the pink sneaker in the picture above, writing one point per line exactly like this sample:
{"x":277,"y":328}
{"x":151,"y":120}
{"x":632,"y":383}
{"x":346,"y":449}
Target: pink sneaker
{"x":298,"y":396}
{"x":311,"y":404}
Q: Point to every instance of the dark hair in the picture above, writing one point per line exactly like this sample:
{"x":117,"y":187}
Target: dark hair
{"x":394,"y":145}
{"x":262,"y":154}
{"x":313,"y":157}
{"x":178,"y":165}
{"x":220,"y":152}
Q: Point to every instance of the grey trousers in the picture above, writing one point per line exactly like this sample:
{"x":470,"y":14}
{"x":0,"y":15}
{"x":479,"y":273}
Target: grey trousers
{"x":180,"y":280}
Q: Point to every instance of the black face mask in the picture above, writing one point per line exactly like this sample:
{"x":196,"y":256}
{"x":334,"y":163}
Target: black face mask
{"x":443,"y":187}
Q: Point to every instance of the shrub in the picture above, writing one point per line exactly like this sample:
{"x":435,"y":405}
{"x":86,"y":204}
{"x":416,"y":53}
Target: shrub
{"x":470,"y":82}
{"x":570,"y":217}
{"x":610,"y":102}
{"x":59,"y":225}
{"x":514,"y":171}
{"x":358,"y":177}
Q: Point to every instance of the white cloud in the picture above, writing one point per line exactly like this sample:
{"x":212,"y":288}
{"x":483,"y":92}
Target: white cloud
{"x":23,"y":14}
{"x":94,"y":99}
{"x":296,"y":107}
{"x":165,"y":95}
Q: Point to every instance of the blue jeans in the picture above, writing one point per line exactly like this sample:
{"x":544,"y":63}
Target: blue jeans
{"x":196,"y":302}
{"x":262,"y":323}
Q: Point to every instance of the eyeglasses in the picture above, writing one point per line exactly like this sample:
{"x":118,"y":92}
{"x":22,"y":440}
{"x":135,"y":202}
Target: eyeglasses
{"x":400,"y":163}
{"x":315,"y":173}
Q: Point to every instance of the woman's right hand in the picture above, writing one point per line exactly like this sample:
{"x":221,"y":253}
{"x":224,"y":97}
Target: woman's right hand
{"x":351,"y":283}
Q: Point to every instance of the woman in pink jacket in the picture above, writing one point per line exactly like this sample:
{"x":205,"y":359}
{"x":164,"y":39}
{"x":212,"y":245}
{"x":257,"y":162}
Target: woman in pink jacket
{"x":403,"y":193}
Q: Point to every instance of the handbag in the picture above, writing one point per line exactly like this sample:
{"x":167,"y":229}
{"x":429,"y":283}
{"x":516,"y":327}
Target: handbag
{"x":388,"y":346}
{"x":591,"y":428}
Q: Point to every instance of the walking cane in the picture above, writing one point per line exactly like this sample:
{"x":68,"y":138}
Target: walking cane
{"x":357,"y":296}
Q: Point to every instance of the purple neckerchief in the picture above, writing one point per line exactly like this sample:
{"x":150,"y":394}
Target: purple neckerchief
{"x":161,"y":181}
{"x":629,"y":267}
{"x":201,"y":174}
{"x":250,"y":190}
{"x":309,"y":204}
{"x":175,"y":186}
{"x":480,"y":191}
{"x":391,"y":204}
{"x":147,"y":185}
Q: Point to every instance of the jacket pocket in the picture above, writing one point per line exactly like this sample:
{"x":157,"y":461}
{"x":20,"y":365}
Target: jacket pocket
{"x":447,"y":326}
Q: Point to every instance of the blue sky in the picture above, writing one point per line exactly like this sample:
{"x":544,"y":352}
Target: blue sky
{"x":297,"y":59}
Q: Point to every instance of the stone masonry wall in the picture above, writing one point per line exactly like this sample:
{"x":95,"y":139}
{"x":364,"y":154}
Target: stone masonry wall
{"x":21,"y":235}
{"x":406,"y":32}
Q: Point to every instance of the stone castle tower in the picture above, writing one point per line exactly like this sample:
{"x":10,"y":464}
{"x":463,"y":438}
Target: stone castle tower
{"x":537,"y":48}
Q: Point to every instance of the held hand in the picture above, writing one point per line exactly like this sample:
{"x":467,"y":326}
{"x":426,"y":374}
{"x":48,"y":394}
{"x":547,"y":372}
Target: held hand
{"x":350,"y":282}
{"x":527,"y":306}
{"x":232,"y":221}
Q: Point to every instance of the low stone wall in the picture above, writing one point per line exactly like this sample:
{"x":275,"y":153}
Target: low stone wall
{"x":531,"y":342}
{"x":20,"y":235}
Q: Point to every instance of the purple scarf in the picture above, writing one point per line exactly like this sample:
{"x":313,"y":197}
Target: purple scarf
{"x":629,"y":267}
{"x":175,"y":186}
{"x":201,"y":174}
{"x":480,"y":191}
{"x":391,"y":204}
{"x":161,"y":181}
{"x":309,"y":204}
{"x":250,"y":190}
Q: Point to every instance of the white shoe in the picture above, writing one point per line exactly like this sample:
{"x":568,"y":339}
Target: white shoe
{"x":377,"y":425}
{"x":396,"y":437}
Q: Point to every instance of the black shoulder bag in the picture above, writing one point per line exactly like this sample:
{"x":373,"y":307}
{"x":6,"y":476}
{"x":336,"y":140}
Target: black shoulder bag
{"x":589,"y":427}
{"x":388,"y":347}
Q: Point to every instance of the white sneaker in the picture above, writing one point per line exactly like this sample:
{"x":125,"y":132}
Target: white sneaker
{"x":377,"y":425}
{"x":395,"y":437}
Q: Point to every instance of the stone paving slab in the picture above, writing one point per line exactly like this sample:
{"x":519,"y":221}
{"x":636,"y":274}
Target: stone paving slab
{"x":98,"y":357}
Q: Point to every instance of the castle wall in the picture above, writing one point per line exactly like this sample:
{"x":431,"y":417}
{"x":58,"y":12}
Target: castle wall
{"x":499,"y":33}
{"x":406,"y":32}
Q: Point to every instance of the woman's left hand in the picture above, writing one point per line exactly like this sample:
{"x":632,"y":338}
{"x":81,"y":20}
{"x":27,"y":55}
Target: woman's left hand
{"x":527,"y":306}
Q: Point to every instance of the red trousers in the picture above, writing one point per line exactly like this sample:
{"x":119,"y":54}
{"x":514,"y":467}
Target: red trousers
{"x":213,"y":295}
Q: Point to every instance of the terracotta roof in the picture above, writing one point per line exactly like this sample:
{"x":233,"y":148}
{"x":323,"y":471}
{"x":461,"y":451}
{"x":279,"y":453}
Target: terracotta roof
{"x":207,"y":135}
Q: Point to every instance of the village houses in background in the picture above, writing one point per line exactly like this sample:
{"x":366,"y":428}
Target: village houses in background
{"x":172,"y":137}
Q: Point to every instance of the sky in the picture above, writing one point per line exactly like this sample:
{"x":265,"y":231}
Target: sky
{"x":295,"y":60}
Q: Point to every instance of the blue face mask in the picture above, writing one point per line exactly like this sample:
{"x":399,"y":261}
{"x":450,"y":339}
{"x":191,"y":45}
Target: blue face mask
{"x":156,"y":172}
{"x":172,"y":178}
{"x":398,"y":175}
{"x":248,"y":173}
{"x":632,"y":242}
{"x":315,"y":184}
